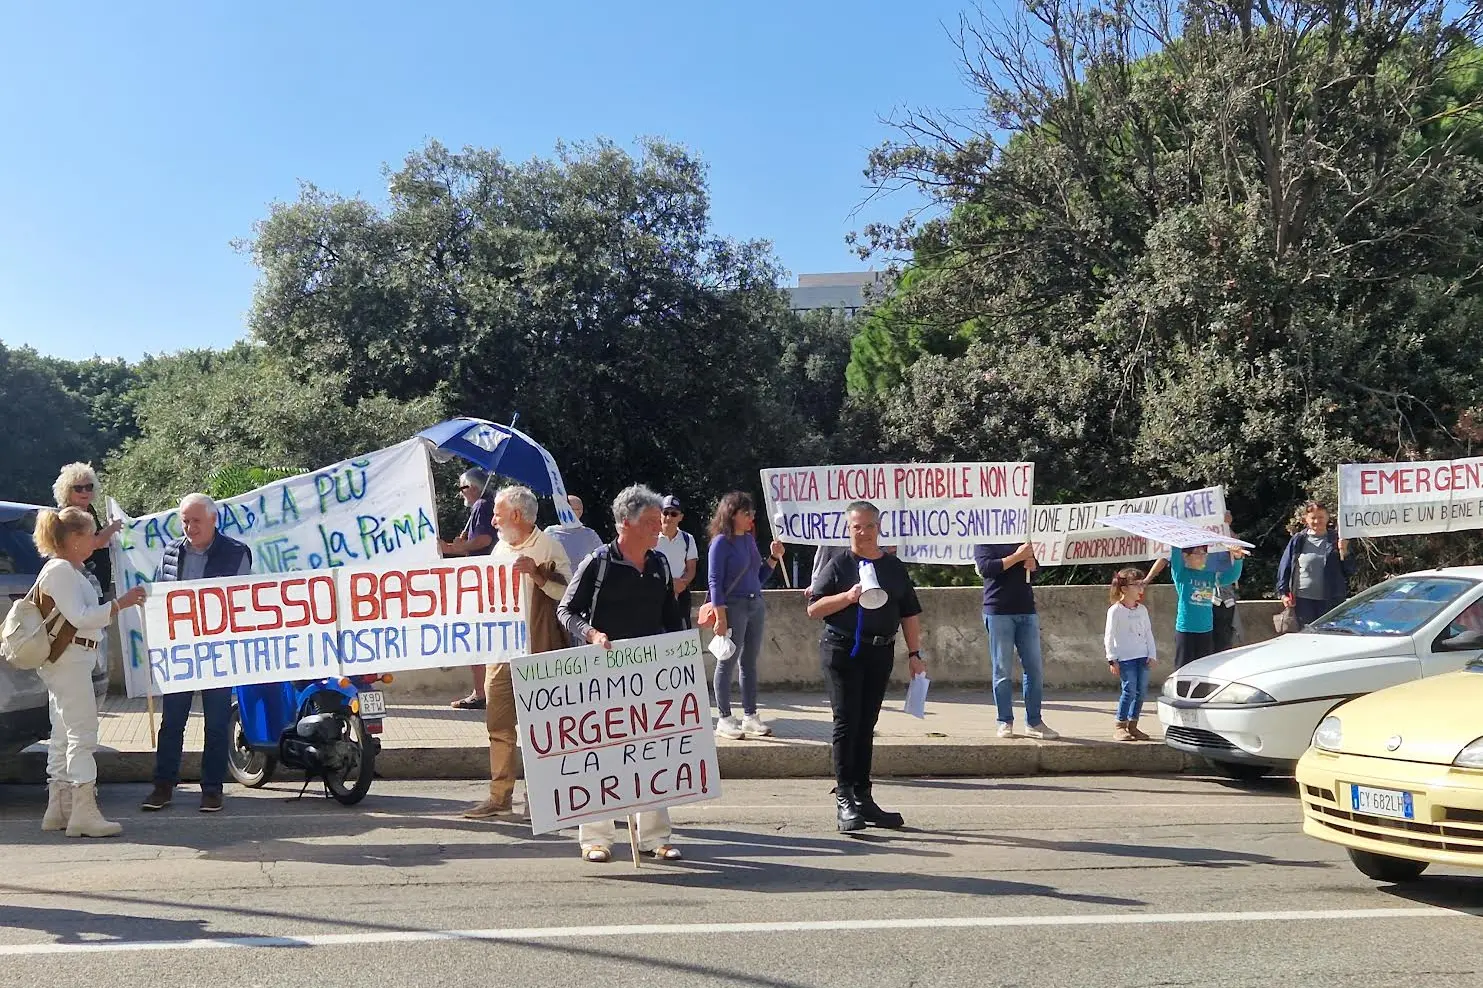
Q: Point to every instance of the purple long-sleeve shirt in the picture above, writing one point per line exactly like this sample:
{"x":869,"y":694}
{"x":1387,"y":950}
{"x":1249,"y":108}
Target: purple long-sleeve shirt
{"x":735,"y":568}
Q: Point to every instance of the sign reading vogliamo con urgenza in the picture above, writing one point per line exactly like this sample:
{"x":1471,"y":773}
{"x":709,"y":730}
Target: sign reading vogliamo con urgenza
{"x":923,"y":503}
{"x":607,"y":732}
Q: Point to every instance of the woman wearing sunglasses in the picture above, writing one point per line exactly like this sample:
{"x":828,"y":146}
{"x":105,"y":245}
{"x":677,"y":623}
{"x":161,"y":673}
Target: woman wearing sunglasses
{"x":77,"y":487}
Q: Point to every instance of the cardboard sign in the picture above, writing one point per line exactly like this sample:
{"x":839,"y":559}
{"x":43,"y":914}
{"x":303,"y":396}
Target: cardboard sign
{"x":1171,"y":531}
{"x":609,"y":732}
{"x":920,"y":503}
{"x":376,"y":508}
{"x":1410,"y":498}
{"x":1069,"y":534}
{"x":357,"y":621}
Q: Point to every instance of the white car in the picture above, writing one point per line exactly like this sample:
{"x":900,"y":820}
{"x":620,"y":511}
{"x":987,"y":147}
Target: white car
{"x":1253,"y":709}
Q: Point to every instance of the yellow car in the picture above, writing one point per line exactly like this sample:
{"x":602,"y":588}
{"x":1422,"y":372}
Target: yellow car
{"x":1396,"y":777}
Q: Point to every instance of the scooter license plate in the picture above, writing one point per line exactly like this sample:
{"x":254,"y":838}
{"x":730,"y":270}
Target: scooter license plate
{"x":373,"y":704}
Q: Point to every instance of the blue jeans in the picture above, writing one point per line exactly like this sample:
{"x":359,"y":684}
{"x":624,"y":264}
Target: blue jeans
{"x":1134,"y":675}
{"x":216,"y":705}
{"x":746,"y":619}
{"x":1010,"y":633}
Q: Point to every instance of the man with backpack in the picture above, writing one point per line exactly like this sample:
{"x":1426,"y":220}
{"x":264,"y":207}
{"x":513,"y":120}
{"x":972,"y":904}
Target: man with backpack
{"x":680,"y":552}
{"x":624,"y":590}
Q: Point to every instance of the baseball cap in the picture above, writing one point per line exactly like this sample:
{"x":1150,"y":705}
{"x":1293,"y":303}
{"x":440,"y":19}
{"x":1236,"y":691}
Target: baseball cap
{"x":671,"y":503}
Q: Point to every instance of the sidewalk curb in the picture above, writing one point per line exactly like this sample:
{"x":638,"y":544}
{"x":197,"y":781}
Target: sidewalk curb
{"x":773,"y":759}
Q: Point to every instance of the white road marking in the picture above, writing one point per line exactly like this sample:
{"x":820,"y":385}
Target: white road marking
{"x":665,"y":929}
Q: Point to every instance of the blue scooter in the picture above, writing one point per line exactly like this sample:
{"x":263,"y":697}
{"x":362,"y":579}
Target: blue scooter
{"x":328,"y":728}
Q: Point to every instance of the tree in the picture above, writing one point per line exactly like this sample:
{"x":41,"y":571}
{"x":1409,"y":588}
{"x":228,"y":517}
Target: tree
{"x":46,"y":426}
{"x":1222,"y":241}
{"x":587,"y":293}
{"x":200,"y":411}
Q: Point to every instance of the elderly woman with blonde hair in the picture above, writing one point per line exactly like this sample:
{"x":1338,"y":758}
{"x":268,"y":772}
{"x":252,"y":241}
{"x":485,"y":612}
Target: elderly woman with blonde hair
{"x":69,"y":537}
{"x":76,"y":486}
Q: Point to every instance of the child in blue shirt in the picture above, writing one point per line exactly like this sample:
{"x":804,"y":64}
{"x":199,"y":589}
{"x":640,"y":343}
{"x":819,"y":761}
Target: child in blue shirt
{"x":1196,"y":577}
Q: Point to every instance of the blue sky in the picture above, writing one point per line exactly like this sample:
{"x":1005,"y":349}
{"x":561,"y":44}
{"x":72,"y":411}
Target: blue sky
{"x":140,"y":140}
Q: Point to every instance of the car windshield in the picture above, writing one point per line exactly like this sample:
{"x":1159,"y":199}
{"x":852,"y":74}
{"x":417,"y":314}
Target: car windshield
{"x":1393,"y":608}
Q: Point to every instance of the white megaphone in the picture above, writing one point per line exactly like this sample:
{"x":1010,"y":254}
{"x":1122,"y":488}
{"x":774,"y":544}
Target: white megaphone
{"x":871,"y":594}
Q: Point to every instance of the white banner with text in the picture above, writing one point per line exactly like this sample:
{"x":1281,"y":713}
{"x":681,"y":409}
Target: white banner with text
{"x":376,"y":508}
{"x":920,"y":503}
{"x":609,"y":732}
{"x":1410,"y":498}
{"x":348,"y":621}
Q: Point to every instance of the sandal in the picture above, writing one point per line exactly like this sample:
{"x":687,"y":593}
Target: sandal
{"x":665,"y":852}
{"x":597,"y":855}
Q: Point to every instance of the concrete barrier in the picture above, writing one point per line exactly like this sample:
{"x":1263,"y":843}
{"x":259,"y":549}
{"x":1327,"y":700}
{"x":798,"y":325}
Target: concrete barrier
{"x":1071,"y":623}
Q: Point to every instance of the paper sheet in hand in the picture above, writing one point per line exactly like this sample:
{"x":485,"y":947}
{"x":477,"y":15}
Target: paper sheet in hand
{"x":1172,"y":531}
{"x":916,"y":696}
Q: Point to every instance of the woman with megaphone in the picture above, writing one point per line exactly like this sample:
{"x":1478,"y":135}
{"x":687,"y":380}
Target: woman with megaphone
{"x":864,"y":597}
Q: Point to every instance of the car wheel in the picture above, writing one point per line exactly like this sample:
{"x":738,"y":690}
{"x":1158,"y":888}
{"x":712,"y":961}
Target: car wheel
{"x":1384,"y":868}
{"x":1242,"y":771}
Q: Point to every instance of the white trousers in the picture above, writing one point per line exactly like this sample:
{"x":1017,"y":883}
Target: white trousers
{"x":654,"y":831}
{"x":74,"y":716}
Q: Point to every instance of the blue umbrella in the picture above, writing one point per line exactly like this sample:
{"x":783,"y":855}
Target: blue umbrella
{"x":503,"y":450}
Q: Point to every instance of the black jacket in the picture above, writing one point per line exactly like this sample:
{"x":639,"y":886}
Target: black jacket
{"x":629,"y":603}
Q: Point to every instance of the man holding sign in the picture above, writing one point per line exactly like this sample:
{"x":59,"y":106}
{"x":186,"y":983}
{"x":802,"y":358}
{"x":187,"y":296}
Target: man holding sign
{"x":203,"y":554}
{"x":625,"y":590}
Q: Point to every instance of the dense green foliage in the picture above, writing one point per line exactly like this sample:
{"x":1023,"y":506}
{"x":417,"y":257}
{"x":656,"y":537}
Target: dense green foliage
{"x":1222,"y":242}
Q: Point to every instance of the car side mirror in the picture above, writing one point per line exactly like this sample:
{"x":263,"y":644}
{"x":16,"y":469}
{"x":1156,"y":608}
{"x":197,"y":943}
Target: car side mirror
{"x":1467,"y":641}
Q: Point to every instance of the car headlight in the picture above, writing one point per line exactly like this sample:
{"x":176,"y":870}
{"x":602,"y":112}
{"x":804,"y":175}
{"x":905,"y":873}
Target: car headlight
{"x":1471,"y":756}
{"x":1169,"y":685}
{"x":1241,"y":693}
{"x":1330,"y":734}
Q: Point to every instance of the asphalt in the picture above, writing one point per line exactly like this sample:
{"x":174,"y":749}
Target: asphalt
{"x":1042,"y":881}
{"x":956,"y":738}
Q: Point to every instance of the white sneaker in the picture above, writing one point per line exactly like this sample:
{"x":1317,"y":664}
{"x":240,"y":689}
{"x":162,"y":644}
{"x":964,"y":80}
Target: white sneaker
{"x":753,"y":727}
{"x":730,"y":728}
{"x":1042,"y":732}
{"x":1006,"y":730}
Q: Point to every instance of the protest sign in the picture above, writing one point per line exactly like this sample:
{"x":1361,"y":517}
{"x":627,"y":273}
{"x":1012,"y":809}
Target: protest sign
{"x":1410,"y":498}
{"x":1067,"y":534}
{"x":920,"y":503}
{"x":378,"y":507}
{"x":347,"y":621}
{"x":1171,"y":531}
{"x":609,"y":732}
{"x":454,"y":613}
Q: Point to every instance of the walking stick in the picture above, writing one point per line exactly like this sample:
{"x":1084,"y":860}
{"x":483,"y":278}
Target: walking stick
{"x":633,"y":840}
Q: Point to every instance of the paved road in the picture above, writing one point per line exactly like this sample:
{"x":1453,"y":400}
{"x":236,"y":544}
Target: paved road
{"x":1041,"y":882}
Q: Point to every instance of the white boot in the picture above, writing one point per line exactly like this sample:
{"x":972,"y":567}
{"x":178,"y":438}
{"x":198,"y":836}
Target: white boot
{"x":86,"y":820}
{"x":58,"y":806}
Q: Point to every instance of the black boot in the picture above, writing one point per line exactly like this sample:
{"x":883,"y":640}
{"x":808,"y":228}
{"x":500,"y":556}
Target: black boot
{"x":872,"y":814}
{"x":847,"y":812}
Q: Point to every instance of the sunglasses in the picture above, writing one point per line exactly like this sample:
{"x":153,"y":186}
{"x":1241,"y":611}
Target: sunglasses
{"x":82,"y":488}
{"x":671,"y":514}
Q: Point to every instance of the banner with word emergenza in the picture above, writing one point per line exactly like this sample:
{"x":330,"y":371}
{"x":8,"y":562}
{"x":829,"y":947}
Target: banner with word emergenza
{"x":609,"y":732}
{"x":1410,"y":498}
{"x":348,"y":621}
{"x":1068,"y":534}
{"x":920,"y":503}
{"x":374,"y":508}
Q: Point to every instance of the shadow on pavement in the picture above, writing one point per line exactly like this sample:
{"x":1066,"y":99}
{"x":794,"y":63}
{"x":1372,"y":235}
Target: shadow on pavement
{"x":1463,"y":893}
{"x":76,"y":926}
{"x":1197,"y":857}
{"x":725,"y":864}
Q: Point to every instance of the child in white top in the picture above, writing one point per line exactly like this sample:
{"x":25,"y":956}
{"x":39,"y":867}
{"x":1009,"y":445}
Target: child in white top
{"x":1130,"y":649}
